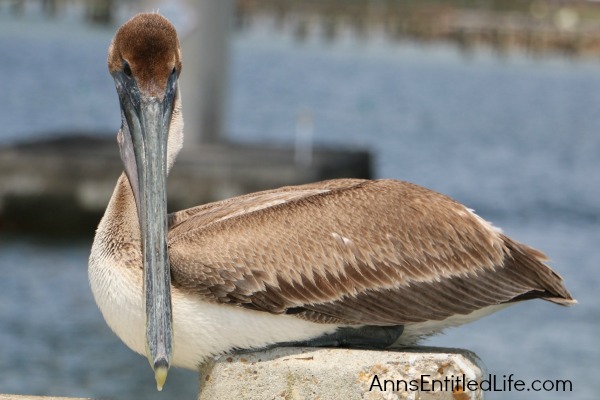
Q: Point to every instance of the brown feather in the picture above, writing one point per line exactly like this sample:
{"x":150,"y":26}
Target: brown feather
{"x":149,"y":44}
{"x":362,"y":252}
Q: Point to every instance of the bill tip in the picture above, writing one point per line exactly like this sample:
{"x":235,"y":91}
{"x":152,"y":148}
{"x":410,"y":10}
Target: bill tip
{"x":160,"y":374}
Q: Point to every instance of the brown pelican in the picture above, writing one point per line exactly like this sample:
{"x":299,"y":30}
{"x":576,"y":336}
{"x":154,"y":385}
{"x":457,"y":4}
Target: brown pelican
{"x":347,"y":262}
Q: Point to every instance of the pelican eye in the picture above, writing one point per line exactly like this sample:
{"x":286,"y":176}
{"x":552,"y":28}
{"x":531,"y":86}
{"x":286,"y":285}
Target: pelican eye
{"x":127,"y":69}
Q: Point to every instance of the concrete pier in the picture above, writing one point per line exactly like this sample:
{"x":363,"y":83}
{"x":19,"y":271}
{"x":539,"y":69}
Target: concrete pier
{"x":333,"y":374}
{"x":308,"y":373}
{"x":62,"y":185}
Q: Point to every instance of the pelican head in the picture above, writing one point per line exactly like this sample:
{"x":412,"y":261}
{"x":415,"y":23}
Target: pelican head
{"x":145,"y":61}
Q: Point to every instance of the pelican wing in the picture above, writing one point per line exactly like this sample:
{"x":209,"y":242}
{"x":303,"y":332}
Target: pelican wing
{"x":353,"y":251}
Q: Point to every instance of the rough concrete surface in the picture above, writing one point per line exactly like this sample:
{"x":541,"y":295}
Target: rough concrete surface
{"x":309,"y":373}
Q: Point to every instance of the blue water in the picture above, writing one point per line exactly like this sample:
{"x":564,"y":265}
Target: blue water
{"x":517,"y":139}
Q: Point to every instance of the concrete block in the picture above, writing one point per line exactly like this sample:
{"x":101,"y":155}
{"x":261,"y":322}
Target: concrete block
{"x":309,"y":373}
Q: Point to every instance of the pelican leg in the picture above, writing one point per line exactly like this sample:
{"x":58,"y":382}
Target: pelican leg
{"x":364,"y":337}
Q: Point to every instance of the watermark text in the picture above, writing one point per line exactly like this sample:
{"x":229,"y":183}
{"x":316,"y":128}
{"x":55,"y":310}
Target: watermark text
{"x":460,"y":383}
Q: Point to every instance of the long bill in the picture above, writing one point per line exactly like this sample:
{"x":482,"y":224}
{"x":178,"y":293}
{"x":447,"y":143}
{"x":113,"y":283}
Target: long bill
{"x":144,"y":139}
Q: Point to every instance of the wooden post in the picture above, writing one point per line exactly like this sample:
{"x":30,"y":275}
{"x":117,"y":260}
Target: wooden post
{"x":203,"y":81}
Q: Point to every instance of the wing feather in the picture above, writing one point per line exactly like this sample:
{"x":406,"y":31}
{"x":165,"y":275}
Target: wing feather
{"x":353,"y":251}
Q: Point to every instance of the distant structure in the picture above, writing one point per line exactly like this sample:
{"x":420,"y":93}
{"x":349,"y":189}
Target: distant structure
{"x":206,"y":49}
{"x":536,"y":27}
{"x":99,"y":11}
{"x":96,"y":11}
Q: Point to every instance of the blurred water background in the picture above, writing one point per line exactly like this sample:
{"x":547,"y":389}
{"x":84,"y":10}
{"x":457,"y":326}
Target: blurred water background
{"x":514,"y":137}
